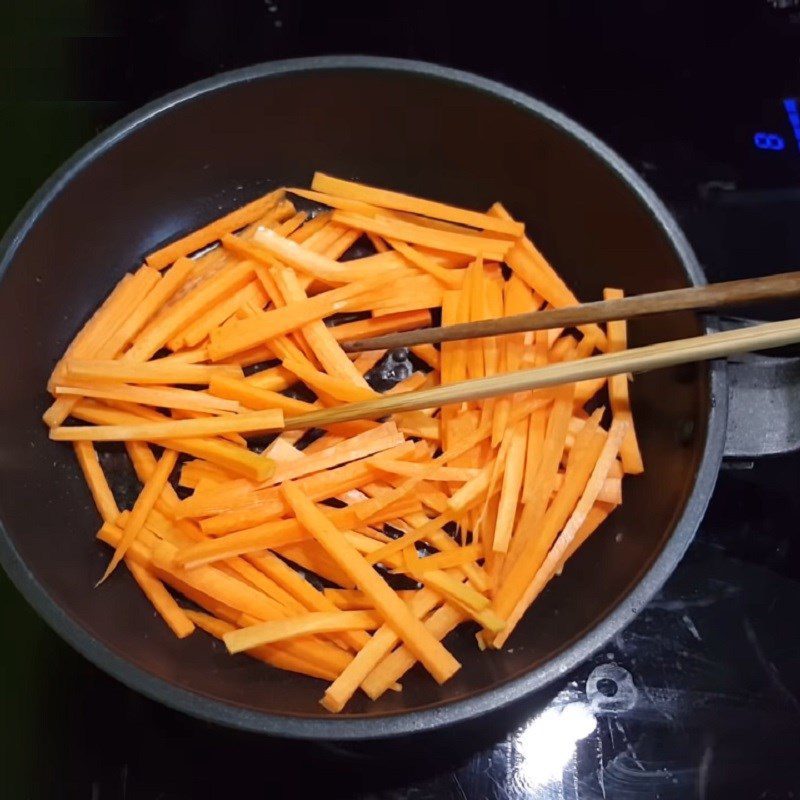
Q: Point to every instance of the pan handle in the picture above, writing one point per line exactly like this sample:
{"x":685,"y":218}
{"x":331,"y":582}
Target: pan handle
{"x":763,"y":402}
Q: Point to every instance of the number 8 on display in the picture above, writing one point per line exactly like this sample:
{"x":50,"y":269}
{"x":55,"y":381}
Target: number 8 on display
{"x":768,"y":141}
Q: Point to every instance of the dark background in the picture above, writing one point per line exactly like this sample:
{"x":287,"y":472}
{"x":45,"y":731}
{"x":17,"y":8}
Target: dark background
{"x":680,"y":89}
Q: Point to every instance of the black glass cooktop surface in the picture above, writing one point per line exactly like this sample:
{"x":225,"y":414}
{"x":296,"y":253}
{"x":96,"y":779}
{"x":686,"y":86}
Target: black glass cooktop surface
{"x":700,"y":696}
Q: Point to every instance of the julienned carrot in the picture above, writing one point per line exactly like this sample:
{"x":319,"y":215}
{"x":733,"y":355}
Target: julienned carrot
{"x":553,"y":447}
{"x":254,"y":421}
{"x":142,"y":507}
{"x":171,"y":282}
{"x":335,"y":387}
{"x":308,"y":657}
{"x":95,"y":330}
{"x":410,"y":469}
{"x":618,"y":392}
{"x":512,"y":484}
{"x":420,"y":424}
{"x":365,"y":661}
{"x":251,"y":332}
{"x":445,"y":619}
{"x":452,"y":278}
{"x":312,"y":559}
{"x":96,"y":481}
{"x":158,"y":396}
{"x":553,"y":559}
{"x":376,"y":326}
{"x":131,"y":294}
{"x":289,"y":226}
{"x":454,"y":558}
{"x":163,"y":602}
{"x":333,"y":201}
{"x":197,"y":330}
{"x":523,"y":480}
{"x":531,"y":556}
{"x":305,"y":625}
{"x":215,"y":230}
{"x":182,"y":413}
{"x":313,"y":261}
{"x":390,"y":228}
{"x":402,"y":202}
{"x":236,"y":594}
{"x":274,"y":379}
{"x":324,"y":237}
{"x":437,"y":660}
{"x":319,"y":337}
{"x":358,"y":447}
{"x":416,"y":380}
{"x":236,"y":459}
{"x":151,"y":372}
{"x":177,"y":316}
{"x":309,"y":228}
{"x":109,"y":318}
{"x":253,"y":397}
{"x":218,"y":628}
{"x":356,"y":600}
{"x":275,"y":534}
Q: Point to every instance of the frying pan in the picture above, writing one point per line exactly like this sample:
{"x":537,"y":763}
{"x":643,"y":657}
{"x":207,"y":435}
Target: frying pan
{"x":190,"y":156}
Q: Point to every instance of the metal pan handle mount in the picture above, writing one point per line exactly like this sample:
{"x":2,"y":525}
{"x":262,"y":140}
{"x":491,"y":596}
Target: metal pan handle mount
{"x":763,"y":402}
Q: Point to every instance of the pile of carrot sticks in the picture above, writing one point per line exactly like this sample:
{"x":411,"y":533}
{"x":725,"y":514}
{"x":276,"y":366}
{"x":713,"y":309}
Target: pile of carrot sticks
{"x":346,"y":553}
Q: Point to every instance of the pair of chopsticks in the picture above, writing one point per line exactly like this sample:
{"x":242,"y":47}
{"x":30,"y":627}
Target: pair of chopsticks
{"x":639,"y":359}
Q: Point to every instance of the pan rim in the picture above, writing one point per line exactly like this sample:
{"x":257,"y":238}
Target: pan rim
{"x":426,"y":719}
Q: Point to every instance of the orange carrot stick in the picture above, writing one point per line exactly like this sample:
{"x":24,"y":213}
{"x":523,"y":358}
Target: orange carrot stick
{"x":142,"y":507}
{"x":618,"y":392}
{"x":438,"y":661}
{"x":397,"y":229}
{"x":335,"y":387}
{"x":402,"y":202}
{"x":270,"y":655}
{"x":365,"y":661}
{"x":535,"y":548}
{"x":252,"y":396}
{"x":215,"y":230}
{"x":177,"y":316}
{"x":251,"y":332}
{"x":151,"y":372}
{"x":254,"y":421}
{"x":320,"y":339}
{"x":304,"y":625}
{"x":196,"y":331}
{"x":309,"y":228}
{"x":163,"y":602}
{"x":110,"y":319}
{"x":451,"y":278}
{"x":554,"y":557}
{"x":445,"y":619}
{"x":157,"y":396}
{"x":96,"y":481}
{"x":377,"y":326}
{"x":237,"y":459}
{"x":512,"y":484}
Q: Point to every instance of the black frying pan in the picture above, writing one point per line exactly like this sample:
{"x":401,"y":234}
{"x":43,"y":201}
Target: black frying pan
{"x":194,"y":154}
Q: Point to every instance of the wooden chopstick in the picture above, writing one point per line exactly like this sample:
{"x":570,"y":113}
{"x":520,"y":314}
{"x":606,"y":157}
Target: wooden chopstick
{"x":639,"y":359}
{"x":715,"y":295}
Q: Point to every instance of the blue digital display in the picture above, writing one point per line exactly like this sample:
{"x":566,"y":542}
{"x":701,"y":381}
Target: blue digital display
{"x":790,"y":104}
{"x":769,"y":140}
